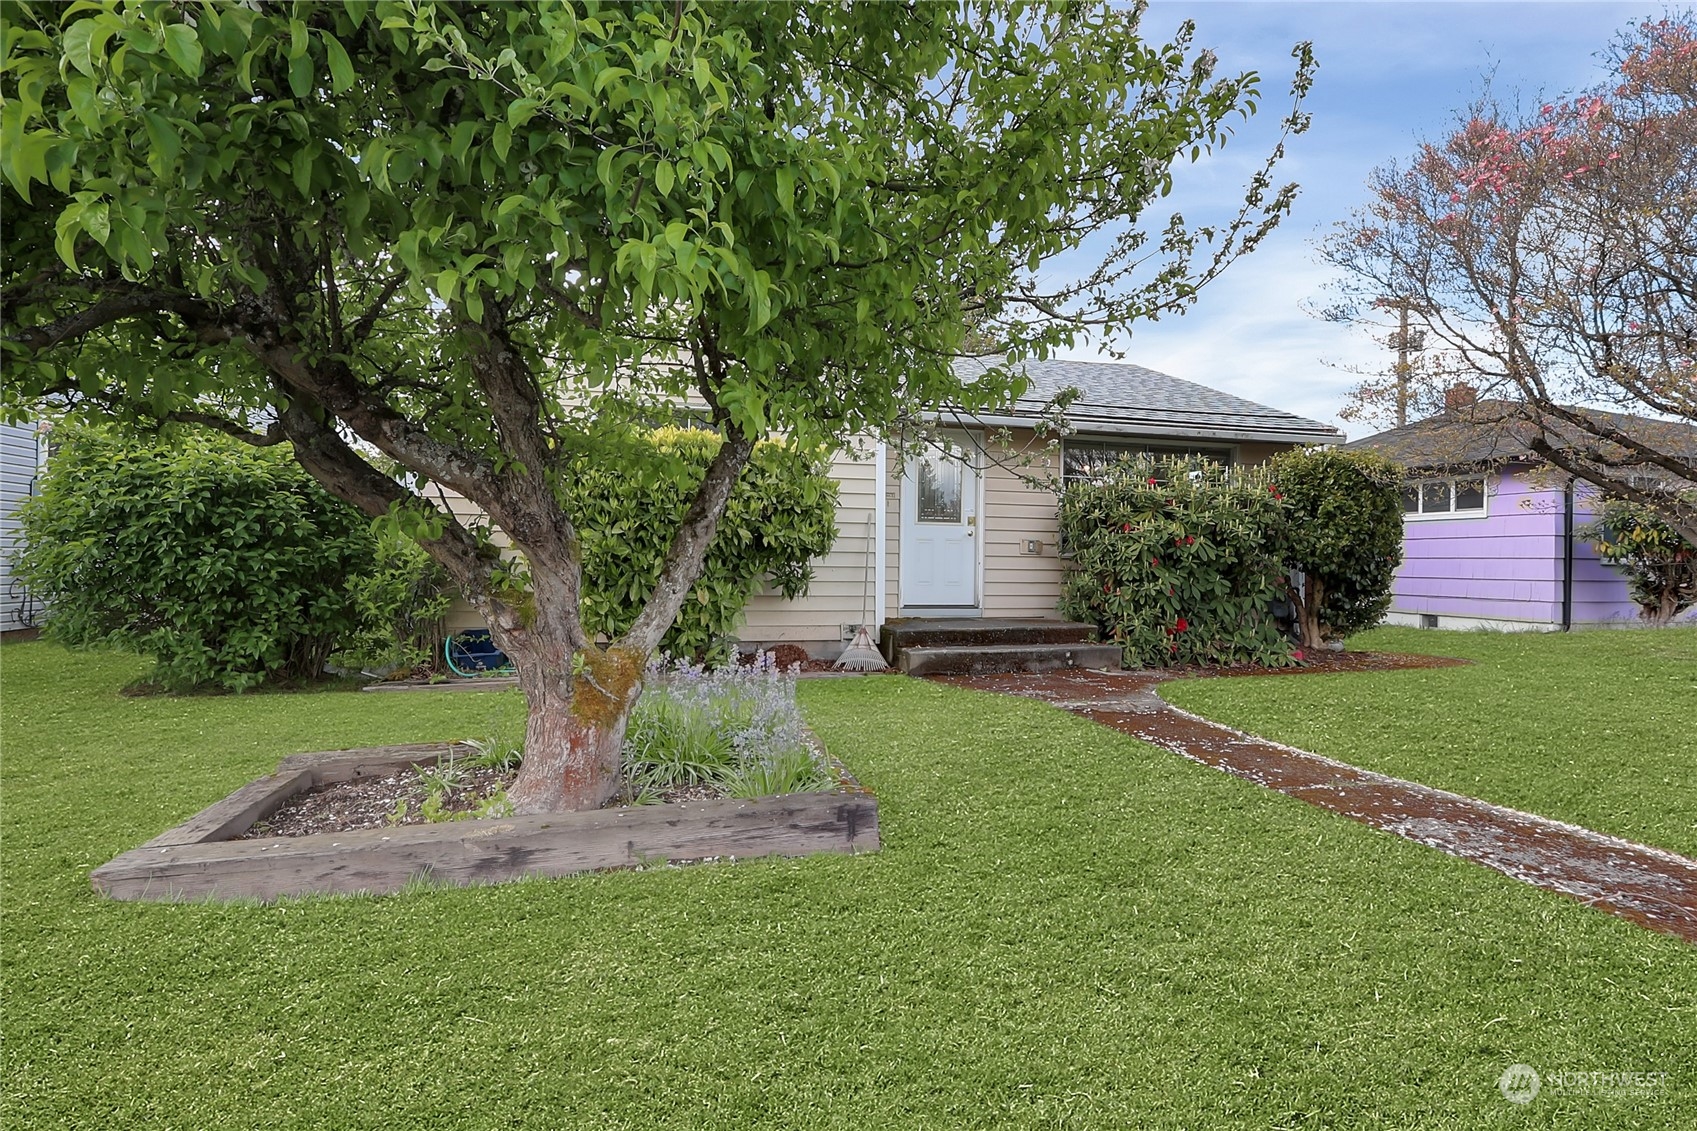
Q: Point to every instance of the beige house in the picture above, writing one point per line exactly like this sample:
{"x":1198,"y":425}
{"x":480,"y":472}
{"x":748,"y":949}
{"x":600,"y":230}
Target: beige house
{"x":972,"y":533}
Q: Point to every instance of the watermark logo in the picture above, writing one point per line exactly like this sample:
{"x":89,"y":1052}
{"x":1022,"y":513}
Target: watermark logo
{"x":1519,"y":1083}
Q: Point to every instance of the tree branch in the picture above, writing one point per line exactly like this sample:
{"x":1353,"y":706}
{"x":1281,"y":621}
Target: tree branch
{"x":689,"y":547}
{"x":114,"y":308}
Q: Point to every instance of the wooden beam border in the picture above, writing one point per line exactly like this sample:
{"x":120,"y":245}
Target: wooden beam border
{"x":200,"y":860}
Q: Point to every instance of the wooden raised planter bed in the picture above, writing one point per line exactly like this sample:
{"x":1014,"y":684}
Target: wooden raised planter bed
{"x":199,"y":859}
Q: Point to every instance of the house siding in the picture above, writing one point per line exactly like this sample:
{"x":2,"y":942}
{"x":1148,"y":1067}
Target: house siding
{"x":20,"y":462}
{"x":1018,"y":584}
{"x":1505,"y":567}
{"x":839,"y":591}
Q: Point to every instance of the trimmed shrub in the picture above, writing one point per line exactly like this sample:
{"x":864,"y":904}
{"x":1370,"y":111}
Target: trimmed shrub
{"x":781,"y":515}
{"x":1178,"y":561}
{"x":401,"y":605}
{"x":1660,"y":565}
{"x":1344,"y":516}
{"x":227,"y":564}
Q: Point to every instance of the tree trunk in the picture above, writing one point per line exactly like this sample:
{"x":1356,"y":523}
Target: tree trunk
{"x":1308,"y":611}
{"x":575,"y":729}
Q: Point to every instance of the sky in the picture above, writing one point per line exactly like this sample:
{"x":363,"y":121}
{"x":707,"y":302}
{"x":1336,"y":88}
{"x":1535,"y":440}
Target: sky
{"x":1391,"y":75}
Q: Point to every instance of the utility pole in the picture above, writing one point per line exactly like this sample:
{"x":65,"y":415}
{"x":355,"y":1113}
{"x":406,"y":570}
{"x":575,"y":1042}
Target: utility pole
{"x":1403,"y":343}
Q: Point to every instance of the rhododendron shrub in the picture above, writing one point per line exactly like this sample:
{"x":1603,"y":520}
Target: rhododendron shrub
{"x":1548,"y":259}
{"x":1179,"y":562}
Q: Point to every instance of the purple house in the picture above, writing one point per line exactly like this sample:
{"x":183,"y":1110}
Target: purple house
{"x":1488,"y":533}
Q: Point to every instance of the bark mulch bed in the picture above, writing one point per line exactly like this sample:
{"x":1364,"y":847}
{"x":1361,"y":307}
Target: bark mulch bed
{"x":373,"y":802}
{"x":1648,"y":886}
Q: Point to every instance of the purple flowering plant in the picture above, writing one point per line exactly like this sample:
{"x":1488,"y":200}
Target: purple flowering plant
{"x":734,"y":729}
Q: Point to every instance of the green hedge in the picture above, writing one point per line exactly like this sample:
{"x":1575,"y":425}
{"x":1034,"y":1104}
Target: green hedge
{"x":227,"y":564}
{"x":781,"y":515}
{"x":1344,"y":524}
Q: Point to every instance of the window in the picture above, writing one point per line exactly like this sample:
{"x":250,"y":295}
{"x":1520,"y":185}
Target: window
{"x":939,"y":489}
{"x":1432,"y":498}
{"x":1087,"y":459}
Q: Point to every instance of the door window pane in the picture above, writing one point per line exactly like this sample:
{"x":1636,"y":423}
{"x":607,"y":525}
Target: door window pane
{"x":1410,"y":499}
{"x":1435,"y":497}
{"x":939,"y":489}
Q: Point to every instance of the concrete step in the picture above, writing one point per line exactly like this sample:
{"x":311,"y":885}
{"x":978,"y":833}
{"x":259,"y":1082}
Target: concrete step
{"x":898,"y":635}
{"x":984,"y":659}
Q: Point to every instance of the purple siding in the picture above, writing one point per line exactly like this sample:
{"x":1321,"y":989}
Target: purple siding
{"x":1507,"y":564}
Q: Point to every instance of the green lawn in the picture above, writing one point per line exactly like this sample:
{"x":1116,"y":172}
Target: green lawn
{"x":1066,"y":928}
{"x":1596,"y":728}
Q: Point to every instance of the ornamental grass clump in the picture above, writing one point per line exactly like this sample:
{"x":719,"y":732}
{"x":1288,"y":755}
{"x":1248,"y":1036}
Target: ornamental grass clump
{"x":736,"y":730}
{"x":1179,"y":561}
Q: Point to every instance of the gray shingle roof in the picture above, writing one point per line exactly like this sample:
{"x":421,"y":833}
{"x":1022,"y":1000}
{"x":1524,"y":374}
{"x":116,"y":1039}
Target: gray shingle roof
{"x":1131,"y":399}
{"x":1491,"y":432}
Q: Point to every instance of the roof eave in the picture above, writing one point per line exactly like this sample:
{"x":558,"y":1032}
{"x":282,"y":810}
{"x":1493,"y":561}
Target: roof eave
{"x":1166,"y":430}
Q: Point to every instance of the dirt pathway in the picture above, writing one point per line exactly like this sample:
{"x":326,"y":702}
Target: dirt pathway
{"x":1649,"y":886}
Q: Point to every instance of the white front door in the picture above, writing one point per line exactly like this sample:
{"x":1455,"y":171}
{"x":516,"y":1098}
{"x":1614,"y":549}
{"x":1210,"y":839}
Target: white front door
{"x":939,"y":554}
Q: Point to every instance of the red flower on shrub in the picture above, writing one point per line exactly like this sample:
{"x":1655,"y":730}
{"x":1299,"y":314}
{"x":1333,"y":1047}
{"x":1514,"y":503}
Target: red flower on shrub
{"x":1189,"y":538}
{"x":1151,"y":483}
{"x":1296,"y":654}
{"x":1155,"y":562}
{"x":1126,"y":529}
{"x":1180,"y":625}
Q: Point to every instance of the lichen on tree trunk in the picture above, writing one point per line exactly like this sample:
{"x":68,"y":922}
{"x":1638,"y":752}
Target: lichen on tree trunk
{"x":575,"y":730}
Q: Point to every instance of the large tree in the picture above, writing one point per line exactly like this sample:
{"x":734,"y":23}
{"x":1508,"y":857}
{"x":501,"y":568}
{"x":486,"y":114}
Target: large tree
{"x":475,"y":246}
{"x":1547,"y":262}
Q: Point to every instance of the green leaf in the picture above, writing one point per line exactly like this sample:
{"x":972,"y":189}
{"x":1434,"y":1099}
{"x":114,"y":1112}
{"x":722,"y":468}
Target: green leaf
{"x":521,"y":112}
{"x":341,"y":67}
{"x":78,"y":45}
{"x":25,"y":160}
{"x":300,"y":170}
{"x":464,"y":133}
{"x":609,"y":75}
{"x":183,"y":46}
{"x":300,"y":75}
{"x":664,"y":177}
{"x":96,"y":221}
{"x":166,"y":144}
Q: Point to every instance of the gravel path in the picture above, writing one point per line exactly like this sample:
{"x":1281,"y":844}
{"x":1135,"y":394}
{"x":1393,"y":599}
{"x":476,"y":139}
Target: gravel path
{"x":1651,"y":887}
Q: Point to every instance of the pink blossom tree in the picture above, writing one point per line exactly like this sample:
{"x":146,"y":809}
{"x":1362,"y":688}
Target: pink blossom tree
{"x":1549,"y":260}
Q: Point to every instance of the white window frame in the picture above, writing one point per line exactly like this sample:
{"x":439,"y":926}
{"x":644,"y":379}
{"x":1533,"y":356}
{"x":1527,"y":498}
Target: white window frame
{"x":1451,"y":514}
{"x":1134,"y":446}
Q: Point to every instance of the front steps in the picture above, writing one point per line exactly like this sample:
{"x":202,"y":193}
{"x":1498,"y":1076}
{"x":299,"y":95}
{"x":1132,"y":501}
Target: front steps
{"x":983,"y":645}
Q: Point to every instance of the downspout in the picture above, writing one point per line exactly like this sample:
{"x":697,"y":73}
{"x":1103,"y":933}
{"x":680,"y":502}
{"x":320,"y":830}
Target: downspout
{"x":880,"y":535}
{"x":1567,"y":556}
